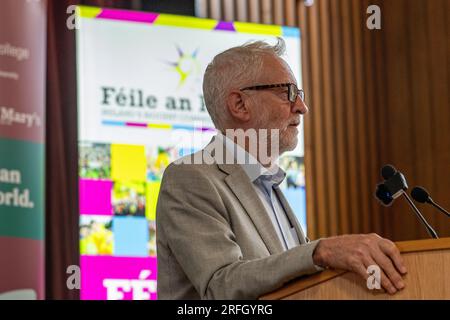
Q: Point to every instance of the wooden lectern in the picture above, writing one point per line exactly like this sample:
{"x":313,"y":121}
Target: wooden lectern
{"x":428,"y":277}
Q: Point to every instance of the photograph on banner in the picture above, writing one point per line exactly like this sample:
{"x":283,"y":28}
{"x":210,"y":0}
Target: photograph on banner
{"x":94,"y":160}
{"x":96,"y":235}
{"x":152,"y":238}
{"x":293,"y":185}
{"x":129,"y":198}
{"x":295,"y":172}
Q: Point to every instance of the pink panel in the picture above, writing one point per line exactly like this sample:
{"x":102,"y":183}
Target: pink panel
{"x":95,"y":197}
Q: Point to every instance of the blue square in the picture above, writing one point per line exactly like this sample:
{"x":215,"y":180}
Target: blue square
{"x":131,"y":236}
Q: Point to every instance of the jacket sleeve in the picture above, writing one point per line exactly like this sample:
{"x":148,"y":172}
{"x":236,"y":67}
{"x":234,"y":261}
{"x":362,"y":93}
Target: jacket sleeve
{"x":197,"y":230}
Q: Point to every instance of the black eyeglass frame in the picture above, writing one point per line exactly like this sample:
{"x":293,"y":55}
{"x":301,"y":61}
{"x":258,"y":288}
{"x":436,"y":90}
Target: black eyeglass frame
{"x":293,"y":90}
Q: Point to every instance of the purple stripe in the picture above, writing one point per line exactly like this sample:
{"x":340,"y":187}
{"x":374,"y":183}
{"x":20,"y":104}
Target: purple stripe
{"x":135,"y":124}
{"x":146,"y":17}
{"x":204,"y":129}
{"x":225,"y":26}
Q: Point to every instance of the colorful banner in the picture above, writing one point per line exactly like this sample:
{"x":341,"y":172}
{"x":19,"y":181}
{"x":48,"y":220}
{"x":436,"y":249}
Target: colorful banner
{"x":22,"y":134}
{"x":140,"y":107}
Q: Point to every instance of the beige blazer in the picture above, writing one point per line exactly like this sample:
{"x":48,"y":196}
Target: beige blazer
{"x":215,"y":239}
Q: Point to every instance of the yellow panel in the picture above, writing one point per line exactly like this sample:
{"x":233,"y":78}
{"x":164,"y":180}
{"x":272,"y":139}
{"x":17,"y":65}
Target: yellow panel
{"x":88,"y":12}
{"x":189,"y":22}
{"x":128,"y":163}
{"x":152,"y":199}
{"x":159,"y":126}
{"x":255,"y":28}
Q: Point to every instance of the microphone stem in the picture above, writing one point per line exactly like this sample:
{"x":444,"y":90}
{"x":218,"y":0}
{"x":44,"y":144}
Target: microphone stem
{"x":434,"y":204}
{"x":430,"y":230}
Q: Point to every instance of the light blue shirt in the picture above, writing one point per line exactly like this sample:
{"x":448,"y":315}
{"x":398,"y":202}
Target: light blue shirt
{"x":266,"y":182}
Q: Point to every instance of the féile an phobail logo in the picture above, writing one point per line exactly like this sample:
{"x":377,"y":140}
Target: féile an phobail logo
{"x":187,"y":65}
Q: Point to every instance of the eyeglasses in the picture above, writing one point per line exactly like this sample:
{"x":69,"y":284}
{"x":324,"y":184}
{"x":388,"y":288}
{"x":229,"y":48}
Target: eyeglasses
{"x":293,"y":91}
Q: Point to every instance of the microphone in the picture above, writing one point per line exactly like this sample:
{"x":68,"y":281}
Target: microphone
{"x":395,"y":181}
{"x":382,"y":192}
{"x":383,"y":195}
{"x":421,"y":195}
{"x":388,"y":171}
{"x":394,"y":186}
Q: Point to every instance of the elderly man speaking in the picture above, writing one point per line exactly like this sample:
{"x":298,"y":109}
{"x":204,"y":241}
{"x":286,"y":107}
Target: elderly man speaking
{"x":225,"y":230}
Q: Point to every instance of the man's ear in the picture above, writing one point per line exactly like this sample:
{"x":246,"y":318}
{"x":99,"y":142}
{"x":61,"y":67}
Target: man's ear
{"x":238,"y":106}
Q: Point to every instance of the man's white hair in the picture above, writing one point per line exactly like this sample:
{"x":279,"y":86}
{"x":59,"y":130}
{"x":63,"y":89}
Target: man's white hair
{"x":232,"y":69}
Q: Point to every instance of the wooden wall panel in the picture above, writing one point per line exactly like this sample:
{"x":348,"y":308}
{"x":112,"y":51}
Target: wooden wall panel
{"x":371,"y":101}
{"x":266,"y":11}
{"x":228,"y":10}
{"x":241,"y":10}
{"x":437,"y":39}
{"x":278,"y":14}
{"x":254,"y":11}
{"x":375,"y":97}
{"x":328,"y":119}
{"x":309,"y":139}
{"x":358,"y":24}
{"x":339,"y":140}
{"x":289,"y":12}
{"x":317,"y":167}
{"x":215,"y":9}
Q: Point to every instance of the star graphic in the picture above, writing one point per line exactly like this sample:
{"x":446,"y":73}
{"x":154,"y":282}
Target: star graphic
{"x":186,"y":65}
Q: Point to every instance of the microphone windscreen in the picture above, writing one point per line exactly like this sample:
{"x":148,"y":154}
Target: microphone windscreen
{"x":383,"y":195}
{"x":388,"y":171}
{"x":420,"y":194}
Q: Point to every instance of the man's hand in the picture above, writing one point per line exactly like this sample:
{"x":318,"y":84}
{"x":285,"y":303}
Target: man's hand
{"x":357,"y":252}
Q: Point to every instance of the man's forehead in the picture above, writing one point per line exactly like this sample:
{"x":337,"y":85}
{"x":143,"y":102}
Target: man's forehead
{"x":276,"y":70}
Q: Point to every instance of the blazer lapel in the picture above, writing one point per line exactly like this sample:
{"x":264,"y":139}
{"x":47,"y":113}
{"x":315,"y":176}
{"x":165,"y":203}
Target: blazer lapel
{"x":291,"y":216}
{"x":245,"y":192}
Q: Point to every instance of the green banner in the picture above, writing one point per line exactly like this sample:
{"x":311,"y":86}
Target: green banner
{"x":22,"y":189}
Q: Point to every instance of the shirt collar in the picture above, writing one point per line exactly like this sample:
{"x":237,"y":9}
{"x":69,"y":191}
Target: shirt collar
{"x":251,"y":166}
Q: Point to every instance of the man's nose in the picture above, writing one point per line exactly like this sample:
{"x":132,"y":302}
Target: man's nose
{"x":299,"y":106}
